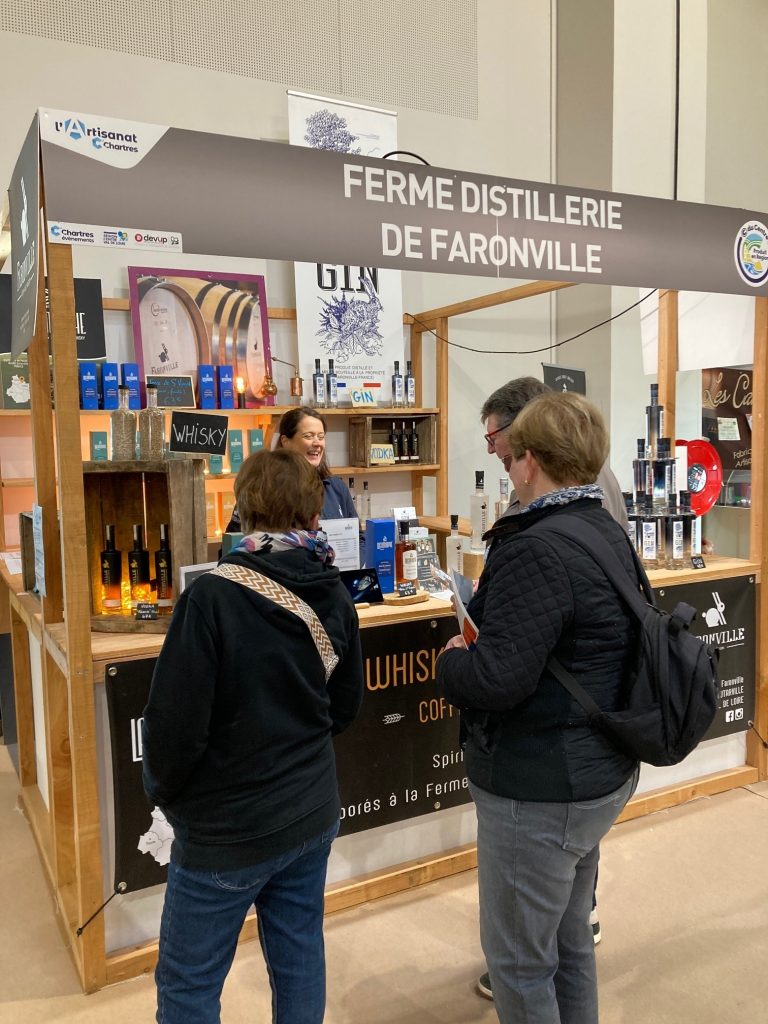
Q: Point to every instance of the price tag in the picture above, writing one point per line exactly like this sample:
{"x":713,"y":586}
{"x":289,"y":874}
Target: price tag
{"x":406,"y":589}
{"x":145,"y":611}
{"x":697,"y":562}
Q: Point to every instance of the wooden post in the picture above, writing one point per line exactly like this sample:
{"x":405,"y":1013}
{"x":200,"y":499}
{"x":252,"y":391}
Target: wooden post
{"x":756,"y":752}
{"x":22,"y":687}
{"x":441,"y":373}
{"x":667,"y":360}
{"x":89,"y":948}
{"x":417,"y":365}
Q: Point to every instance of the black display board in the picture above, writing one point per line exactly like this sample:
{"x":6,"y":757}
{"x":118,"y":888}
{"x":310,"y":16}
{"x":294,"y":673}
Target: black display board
{"x":726,"y":617}
{"x":198,"y":432}
{"x":400,"y":759}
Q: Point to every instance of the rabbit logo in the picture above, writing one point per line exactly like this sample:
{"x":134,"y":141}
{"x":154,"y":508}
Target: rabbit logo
{"x":715,"y":616}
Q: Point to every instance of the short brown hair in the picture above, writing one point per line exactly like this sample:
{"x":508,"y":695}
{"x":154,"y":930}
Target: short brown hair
{"x":278,"y":490}
{"x":566,"y":433}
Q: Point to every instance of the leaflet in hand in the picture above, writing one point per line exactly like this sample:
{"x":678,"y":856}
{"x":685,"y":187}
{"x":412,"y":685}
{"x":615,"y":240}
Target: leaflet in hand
{"x":469,"y":630}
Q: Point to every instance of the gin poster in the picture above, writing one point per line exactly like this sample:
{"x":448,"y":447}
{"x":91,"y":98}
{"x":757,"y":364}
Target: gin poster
{"x":351,"y":314}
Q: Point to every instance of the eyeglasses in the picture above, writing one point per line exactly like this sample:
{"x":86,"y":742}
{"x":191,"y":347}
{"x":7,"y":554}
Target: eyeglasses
{"x":489,"y":438}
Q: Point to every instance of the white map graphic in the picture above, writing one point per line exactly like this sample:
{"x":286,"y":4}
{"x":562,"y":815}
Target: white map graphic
{"x":19,"y":389}
{"x":157,"y":840}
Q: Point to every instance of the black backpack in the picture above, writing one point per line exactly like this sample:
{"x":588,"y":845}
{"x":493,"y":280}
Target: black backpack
{"x":673,"y":695}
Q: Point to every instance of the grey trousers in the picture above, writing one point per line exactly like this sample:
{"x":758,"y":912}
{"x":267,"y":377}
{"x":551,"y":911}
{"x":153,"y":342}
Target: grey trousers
{"x":536,"y":868}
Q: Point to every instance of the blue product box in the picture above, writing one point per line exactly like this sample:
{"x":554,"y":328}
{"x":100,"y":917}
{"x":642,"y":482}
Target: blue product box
{"x":98,"y":445}
{"x":89,"y":386}
{"x":129,"y":378}
{"x":235,"y":450}
{"x":206,"y":387}
{"x":109,"y":382}
{"x":255,"y":440}
{"x":380,"y":551}
{"x":215,"y":464}
{"x":224,"y":379}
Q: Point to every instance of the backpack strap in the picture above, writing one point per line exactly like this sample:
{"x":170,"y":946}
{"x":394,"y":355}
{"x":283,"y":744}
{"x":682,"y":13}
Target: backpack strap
{"x":280,"y":595}
{"x":593,"y":542}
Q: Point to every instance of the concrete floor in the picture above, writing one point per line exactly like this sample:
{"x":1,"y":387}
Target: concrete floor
{"x":683,"y":907}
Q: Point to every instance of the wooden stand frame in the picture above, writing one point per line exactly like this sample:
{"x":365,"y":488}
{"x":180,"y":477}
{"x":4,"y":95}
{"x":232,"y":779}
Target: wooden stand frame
{"x":68,"y":832}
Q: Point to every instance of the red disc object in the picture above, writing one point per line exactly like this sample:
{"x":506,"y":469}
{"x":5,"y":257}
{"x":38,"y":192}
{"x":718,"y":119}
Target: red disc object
{"x":705,"y":475}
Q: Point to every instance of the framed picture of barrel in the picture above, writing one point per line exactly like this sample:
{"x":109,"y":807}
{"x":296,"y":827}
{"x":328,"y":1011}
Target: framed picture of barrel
{"x":183,"y":319}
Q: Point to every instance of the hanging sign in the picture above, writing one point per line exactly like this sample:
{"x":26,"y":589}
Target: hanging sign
{"x":24,"y":203}
{"x":345,"y":209}
{"x":351,"y":314}
{"x":200,"y":432}
{"x":561,"y":378}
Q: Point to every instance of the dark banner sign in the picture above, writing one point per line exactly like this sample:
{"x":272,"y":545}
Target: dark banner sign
{"x":89,"y":317}
{"x":287,"y":202}
{"x":24,"y":203}
{"x":726,"y":411}
{"x":142,"y":835}
{"x":726,"y":617}
{"x":400,"y":759}
{"x":562,"y":378}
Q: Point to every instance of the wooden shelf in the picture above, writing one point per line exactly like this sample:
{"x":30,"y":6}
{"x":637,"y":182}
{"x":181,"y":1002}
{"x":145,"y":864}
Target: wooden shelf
{"x":268,"y":410}
{"x":18,"y":481}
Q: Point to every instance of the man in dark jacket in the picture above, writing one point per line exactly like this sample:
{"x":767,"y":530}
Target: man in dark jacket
{"x":238,"y":752}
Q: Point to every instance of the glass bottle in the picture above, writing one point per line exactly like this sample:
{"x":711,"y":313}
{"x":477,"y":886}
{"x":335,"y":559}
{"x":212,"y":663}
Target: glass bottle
{"x":164,"y":573}
{"x":503,"y":503}
{"x":402,"y":444}
{"x":406,"y":558}
{"x":688,"y":518}
{"x":649,"y":535}
{"x":366,"y":504}
{"x":111,"y":574}
{"x":654,"y":422}
{"x":331,"y":387}
{"x":318,"y":386}
{"x":675,"y":535}
{"x":122,"y":428}
{"x":478,"y":512}
{"x":410,"y":385}
{"x":641,"y":468}
{"x":355,"y":497}
{"x":413,"y":443}
{"x":151,"y":428}
{"x":394,"y":440}
{"x":397,"y":387}
{"x":138,"y":568}
{"x":454,"y":548}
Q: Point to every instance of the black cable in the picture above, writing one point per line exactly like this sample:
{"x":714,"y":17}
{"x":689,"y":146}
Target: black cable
{"x":753,"y":727}
{"x":529,"y":351}
{"x":407,"y":152}
{"x":677,"y":98}
{"x":119,"y":888}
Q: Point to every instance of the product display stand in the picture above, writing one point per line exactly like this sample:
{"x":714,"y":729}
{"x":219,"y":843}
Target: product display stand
{"x":60,"y":791}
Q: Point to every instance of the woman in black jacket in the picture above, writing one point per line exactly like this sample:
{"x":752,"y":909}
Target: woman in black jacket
{"x":546,"y":786}
{"x":238,"y":751}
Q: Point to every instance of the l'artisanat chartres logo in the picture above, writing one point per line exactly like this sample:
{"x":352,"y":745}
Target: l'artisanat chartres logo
{"x":77,"y":130}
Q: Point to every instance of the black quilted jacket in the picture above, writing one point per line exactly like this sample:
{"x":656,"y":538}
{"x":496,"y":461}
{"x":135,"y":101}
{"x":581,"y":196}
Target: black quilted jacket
{"x":542,"y":594}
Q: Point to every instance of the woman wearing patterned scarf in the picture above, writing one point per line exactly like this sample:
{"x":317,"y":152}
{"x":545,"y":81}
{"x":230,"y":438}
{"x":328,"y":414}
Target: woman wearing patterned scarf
{"x":238,"y":753}
{"x":546,"y":786}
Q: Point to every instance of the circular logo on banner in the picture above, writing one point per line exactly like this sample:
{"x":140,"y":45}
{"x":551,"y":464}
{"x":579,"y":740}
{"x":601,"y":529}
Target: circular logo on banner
{"x":752,"y":253}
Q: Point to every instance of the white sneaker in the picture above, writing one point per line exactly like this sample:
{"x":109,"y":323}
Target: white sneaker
{"x":595,"y":923}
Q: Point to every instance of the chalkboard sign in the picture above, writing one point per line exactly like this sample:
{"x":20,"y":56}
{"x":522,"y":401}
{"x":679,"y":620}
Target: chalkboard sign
{"x":198,"y":432}
{"x":173,"y":392}
{"x":146,"y":611}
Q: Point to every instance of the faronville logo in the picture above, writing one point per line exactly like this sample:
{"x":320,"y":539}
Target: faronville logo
{"x":751,"y":253}
{"x":715,"y":616}
{"x":77,"y":131}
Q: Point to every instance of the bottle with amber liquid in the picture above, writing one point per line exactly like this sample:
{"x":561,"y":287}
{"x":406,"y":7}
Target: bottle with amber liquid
{"x":406,"y":559}
{"x":164,"y":573}
{"x":111,"y":574}
{"x":138,"y":568}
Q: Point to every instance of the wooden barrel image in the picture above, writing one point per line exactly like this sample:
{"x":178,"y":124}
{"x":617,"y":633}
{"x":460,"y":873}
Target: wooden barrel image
{"x":174,"y":338}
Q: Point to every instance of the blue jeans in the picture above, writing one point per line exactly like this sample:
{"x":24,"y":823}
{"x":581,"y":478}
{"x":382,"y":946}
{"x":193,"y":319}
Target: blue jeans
{"x":536,"y":871}
{"x":202,"y":917}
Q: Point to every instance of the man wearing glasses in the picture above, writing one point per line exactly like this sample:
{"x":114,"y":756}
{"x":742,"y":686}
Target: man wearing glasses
{"x":498,"y":413}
